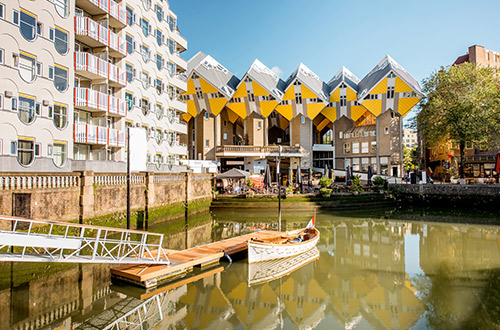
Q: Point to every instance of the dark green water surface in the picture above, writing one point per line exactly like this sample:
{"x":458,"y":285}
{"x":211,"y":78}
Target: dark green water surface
{"x":377,"y":269}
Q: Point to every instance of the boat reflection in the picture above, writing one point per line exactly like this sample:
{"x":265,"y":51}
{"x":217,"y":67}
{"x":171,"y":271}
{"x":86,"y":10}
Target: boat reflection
{"x":270,"y":270}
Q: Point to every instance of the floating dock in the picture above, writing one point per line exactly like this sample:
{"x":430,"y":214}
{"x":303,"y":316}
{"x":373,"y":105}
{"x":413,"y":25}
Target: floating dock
{"x":182,"y":262}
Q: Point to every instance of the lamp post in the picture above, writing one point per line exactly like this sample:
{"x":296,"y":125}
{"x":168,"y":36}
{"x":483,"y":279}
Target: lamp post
{"x":279,"y":187}
{"x":128,"y":177}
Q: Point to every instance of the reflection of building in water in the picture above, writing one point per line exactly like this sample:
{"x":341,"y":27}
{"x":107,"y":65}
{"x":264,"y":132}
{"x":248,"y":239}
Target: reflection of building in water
{"x":464,"y":248}
{"x":368,"y":276}
{"x":256,"y":306}
{"x":207,"y":307}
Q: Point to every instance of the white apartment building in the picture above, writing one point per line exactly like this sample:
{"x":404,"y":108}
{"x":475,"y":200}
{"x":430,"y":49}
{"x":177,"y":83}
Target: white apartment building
{"x":410,"y":138}
{"x":74,"y":75}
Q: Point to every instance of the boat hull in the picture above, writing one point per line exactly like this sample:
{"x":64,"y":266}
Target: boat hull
{"x":259,"y":251}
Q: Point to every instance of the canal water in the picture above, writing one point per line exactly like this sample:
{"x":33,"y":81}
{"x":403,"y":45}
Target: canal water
{"x":377,"y":269}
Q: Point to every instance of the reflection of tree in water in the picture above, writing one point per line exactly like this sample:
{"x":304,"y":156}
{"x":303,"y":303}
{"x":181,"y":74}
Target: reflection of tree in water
{"x":457,"y":302}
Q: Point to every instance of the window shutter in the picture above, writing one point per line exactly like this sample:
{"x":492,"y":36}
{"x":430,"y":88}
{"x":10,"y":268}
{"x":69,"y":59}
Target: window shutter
{"x":133,"y":100}
{"x":140,"y":103}
{"x":133,"y":46}
{"x":14,"y":104}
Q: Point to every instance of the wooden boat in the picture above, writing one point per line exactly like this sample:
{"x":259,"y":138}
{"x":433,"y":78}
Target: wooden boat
{"x":282,"y":246}
{"x":270,"y":270}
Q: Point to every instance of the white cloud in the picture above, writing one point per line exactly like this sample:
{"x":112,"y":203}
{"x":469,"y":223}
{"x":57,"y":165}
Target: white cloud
{"x":277,"y":70}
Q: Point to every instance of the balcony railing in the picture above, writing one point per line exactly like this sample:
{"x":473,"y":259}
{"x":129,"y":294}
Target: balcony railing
{"x":99,"y":67}
{"x":106,"y":6}
{"x":89,"y":98}
{"x":85,"y":26}
{"x":92,"y":134}
{"x":268,"y":150}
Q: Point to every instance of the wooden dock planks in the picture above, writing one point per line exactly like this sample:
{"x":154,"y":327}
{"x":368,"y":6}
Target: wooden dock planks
{"x":183,"y":261}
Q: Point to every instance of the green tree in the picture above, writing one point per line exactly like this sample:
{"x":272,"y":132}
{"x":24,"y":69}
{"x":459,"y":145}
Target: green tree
{"x":462,"y":104}
{"x":409,"y":158}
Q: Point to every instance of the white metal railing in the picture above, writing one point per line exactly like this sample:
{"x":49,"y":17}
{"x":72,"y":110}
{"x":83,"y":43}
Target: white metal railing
{"x":85,"y":26}
{"x":87,"y":133}
{"x":85,"y":97}
{"x":117,"y":179}
{"x":112,"y":8}
{"x":93,"y":64}
{"x":43,"y":241}
{"x":26,"y":182}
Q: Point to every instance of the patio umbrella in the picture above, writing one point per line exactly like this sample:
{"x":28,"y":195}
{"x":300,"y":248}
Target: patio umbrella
{"x":267,"y":177}
{"x":290,"y":176}
{"x":370,"y":174}
{"x":327,"y":173}
{"x":298,"y":177}
{"x":497,"y":165}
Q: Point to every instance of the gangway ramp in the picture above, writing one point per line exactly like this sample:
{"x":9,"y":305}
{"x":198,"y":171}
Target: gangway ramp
{"x":51,"y":241}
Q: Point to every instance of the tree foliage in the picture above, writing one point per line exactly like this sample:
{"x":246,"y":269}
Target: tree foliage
{"x":462,"y":104}
{"x":409,"y":158}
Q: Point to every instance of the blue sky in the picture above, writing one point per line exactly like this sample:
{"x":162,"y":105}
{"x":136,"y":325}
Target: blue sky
{"x":328,"y":34}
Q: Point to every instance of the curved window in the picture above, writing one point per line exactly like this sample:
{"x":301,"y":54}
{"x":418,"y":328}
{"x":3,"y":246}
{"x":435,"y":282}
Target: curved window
{"x":59,"y":154}
{"x":171,"y":92}
{"x":159,"y":61}
{"x":171,"y":115}
{"x":146,"y":53}
{"x":130,"y":72}
{"x":158,"y":160}
{"x":26,"y":109}
{"x":171,"y":46}
{"x":145,"y":106}
{"x":26,"y":66}
{"x":61,"y":7}
{"x":171,"y":69}
{"x":145,"y":26}
{"x":129,"y":98}
{"x":159,"y":37}
{"x":159,"y":136}
{"x":61,"y":41}
{"x":159,"y":12}
{"x":171,"y":138}
{"x":60,"y":78}
{"x":159,"y":111}
{"x":145,"y":79}
{"x":130,"y":43}
{"x":130,"y":16}
{"x":25,"y":152}
{"x":158,"y":86}
{"x":146,"y":4}
{"x":60,"y":116}
{"x":171,"y":23}
{"x":170,"y":161}
{"x":27,"y":24}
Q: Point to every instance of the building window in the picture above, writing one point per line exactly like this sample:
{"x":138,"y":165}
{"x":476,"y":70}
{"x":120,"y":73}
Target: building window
{"x":2,"y":53}
{"x":364,"y":147}
{"x":129,"y":98}
{"x":224,"y":136}
{"x":159,"y":136}
{"x":171,"y":92}
{"x":347,"y":148}
{"x":60,"y":115}
{"x":259,"y":125}
{"x":2,"y":10}
{"x":206,"y":115}
{"x":27,"y":24}
{"x":341,"y":135}
{"x":145,"y":79}
{"x":159,"y":12}
{"x":51,"y":72}
{"x":298,"y":98}
{"x":343,"y":100}
{"x":59,"y":154}
{"x":207,"y":143}
{"x":158,"y":86}
{"x":38,"y":69}
{"x":390,"y":92}
{"x":130,"y":16}
{"x":159,"y":110}
{"x":159,"y":37}
{"x":145,"y":106}
{"x":61,"y":40}
{"x":26,"y":109}
{"x":373,"y":146}
{"x":25,"y":151}
{"x":171,"y":69}
{"x":386,"y":130}
{"x":145,"y":26}
{"x":146,"y":4}
{"x":60,"y":78}
{"x":159,"y":61}
{"x":146,"y":53}
{"x":303,"y":119}
{"x":26,"y":66}
{"x":355,"y":148}
{"x":171,"y":23}
{"x":130,"y":43}
{"x":171,"y":46}
{"x":61,"y":7}
{"x":130,"y":72}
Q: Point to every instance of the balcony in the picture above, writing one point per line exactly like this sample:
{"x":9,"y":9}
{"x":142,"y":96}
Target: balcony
{"x":178,"y":126}
{"x":91,"y":100}
{"x":180,"y":40}
{"x":94,"y":68}
{"x":95,"y":35}
{"x":92,"y":134}
{"x":179,"y":61}
{"x":178,"y":104}
{"x":256,"y":151}
{"x":178,"y":149}
{"x":179,"y":81}
{"x":118,"y":15}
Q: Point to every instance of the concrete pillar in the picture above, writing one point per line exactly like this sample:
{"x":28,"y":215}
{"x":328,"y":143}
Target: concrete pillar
{"x":86,"y":287}
{"x":86,"y":195}
{"x":150,"y":196}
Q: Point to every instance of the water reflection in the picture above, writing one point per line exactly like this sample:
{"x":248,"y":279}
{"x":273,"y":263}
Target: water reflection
{"x":374,"y":272}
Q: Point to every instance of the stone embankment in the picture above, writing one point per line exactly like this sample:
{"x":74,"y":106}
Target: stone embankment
{"x":301,"y":203}
{"x":101,"y":198}
{"x":448,"y":195}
